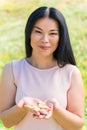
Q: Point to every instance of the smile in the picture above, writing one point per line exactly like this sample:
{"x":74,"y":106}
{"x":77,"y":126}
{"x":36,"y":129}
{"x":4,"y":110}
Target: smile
{"x":44,"y":47}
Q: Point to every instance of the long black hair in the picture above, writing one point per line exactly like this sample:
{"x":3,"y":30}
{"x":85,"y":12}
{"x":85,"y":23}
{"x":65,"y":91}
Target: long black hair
{"x":63,"y":54}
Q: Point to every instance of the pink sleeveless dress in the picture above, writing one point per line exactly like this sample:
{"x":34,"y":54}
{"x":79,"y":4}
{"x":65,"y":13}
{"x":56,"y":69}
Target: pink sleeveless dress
{"x":42,"y":84}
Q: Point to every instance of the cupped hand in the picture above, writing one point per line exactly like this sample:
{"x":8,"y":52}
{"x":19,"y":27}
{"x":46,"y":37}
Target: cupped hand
{"x":52,"y":102}
{"x":39,"y":109}
{"x":30,"y":104}
{"x":36,"y":106}
{"x":28,"y":101}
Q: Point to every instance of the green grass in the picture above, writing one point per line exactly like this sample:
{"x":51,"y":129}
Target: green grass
{"x":13,"y":16}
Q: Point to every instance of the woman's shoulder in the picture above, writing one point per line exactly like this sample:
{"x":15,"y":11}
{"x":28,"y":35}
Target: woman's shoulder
{"x":18,"y":62}
{"x":72,"y":68}
{"x":13,"y":64}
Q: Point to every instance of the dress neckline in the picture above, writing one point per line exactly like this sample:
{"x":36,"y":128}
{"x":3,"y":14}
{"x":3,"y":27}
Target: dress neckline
{"x":46,"y":69}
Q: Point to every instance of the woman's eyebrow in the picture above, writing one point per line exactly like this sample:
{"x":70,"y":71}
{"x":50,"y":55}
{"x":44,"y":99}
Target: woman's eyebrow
{"x":55,"y":30}
{"x":49,"y":30}
{"x":38,"y":28}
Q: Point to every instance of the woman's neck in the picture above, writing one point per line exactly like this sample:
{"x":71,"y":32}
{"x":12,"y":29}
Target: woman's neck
{"x":42,"y":62}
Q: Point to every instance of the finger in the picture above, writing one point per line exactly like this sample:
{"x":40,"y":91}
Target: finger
{"x":37,"y":116}
{"x":49,"y":115}
{"x":20,"y":103}
{"x":41,"y":116}
{"x":43,"y":111}
{"x":33,"y":109}
{"x":52,"y":102}
{"x":36,"y":100}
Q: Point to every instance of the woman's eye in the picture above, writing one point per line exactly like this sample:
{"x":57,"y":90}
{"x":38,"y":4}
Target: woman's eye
{"x":37,"y":31}
{"x":53,"y":33}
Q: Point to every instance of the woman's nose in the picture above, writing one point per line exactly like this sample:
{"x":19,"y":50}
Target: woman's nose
{"x":45,"y":38}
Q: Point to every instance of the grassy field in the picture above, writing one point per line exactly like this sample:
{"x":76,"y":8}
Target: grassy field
{"x":13,"y":16}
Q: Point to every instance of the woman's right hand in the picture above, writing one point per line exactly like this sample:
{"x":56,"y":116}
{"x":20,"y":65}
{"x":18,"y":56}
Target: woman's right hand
{"x":29,"y":103}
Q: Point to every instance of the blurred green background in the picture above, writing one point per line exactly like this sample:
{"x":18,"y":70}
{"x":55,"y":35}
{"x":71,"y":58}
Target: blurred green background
{"x":13,"y":17}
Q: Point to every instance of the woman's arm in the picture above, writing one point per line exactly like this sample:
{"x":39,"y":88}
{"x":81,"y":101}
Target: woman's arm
{"x":73,"y":117}
{"x":10,"y":114}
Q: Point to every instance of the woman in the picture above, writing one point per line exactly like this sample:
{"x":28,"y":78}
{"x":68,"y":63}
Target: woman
{"x":45,"y":89}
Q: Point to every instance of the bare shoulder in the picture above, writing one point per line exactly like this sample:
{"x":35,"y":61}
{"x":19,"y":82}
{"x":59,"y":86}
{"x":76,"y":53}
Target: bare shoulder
{"x":6,"y":77}
{"x":76,"y":77}
{"x":73,"y":71}
{"x":9,"y":67}
{"x":7,"y":72}
{"x":72,"y":67}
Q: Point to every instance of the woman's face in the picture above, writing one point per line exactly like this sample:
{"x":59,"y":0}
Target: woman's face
{"x":44,"y":37}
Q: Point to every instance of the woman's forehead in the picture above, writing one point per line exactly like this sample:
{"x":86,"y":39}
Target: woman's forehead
{"x":46,"y":22}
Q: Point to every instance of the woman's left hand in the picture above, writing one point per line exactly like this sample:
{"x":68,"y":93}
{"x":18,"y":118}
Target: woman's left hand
{"x":52,"y":103}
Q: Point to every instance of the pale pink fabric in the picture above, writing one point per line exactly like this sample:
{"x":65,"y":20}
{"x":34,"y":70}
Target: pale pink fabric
{"x":43,"y":84}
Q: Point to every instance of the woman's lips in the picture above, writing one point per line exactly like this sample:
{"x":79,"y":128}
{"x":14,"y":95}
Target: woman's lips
{"x":44,"y":47}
